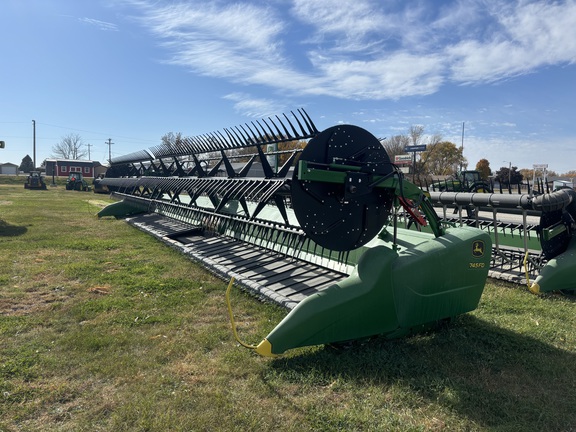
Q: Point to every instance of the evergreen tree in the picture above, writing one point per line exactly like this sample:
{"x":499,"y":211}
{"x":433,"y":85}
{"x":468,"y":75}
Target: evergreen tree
{"x":27,"y":164}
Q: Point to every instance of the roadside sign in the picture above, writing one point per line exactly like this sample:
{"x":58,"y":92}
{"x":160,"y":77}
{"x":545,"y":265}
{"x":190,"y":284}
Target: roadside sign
{"x":415,"y":148}
{"x":540,"y":166}
{"x":403,"y":159}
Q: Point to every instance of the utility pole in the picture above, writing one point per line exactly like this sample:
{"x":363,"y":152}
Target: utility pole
{"x":462,"y":145}
{"x":109,"y":142}
{"x":89,"y":145}
{"x":34,"y":142}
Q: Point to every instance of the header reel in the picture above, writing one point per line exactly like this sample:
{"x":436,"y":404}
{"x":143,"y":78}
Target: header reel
{"x":342,"y":208}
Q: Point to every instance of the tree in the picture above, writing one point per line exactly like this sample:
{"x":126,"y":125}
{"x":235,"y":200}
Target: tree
{"x":395,"y":145}
{"x":442,"y":158}
{"x":287,"y":146}
{"x":70,"y":147}
{"x":483,"y":167}
{"x":508,"y":176}
{"x":27,"y":164}
{"x":416,"y":132}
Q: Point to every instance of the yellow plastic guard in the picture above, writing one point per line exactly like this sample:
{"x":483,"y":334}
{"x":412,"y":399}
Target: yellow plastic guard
{"x":535,"y":288}
{"x":264,"y":348}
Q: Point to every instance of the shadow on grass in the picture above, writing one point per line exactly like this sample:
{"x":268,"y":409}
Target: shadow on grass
{"x":7,"y":230}
{"x":492,"y":376}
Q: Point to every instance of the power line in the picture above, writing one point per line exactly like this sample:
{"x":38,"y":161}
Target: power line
{"x":99,"y":133}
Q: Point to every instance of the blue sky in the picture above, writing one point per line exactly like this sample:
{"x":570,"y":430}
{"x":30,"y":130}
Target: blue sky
{"x":134,"y":70}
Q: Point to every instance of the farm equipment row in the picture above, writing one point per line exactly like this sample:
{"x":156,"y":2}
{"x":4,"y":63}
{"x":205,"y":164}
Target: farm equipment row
{"x":321,"y":234}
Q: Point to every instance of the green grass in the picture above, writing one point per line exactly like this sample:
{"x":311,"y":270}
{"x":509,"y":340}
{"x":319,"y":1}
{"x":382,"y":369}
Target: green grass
{"x":104,"y":328}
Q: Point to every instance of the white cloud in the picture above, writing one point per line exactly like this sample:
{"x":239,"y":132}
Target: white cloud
{"x":250,"y":106}
{"x":533,"y":35}
{"x":102,"y":25}
{"x":363,"y":49}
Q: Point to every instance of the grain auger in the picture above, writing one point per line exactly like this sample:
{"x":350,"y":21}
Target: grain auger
{"x":556,"y":265}
{"x":318,"y":236}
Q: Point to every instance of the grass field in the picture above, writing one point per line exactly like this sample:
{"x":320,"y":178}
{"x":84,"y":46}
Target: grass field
{"x":103,"y":328}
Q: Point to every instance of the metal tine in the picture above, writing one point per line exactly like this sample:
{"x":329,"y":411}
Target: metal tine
{"x":303,"y":239}
{"x":217,"y":140}
{"x":234,"y":188}
{"x":295,"y":239}
{"x":287,"y":134}
{"x":225,"y":143}
{"x":273,"y":188}
{"x":268,"y":137}
{"x":204,"y":143}
{"x":186,"y":145}
{"x":197,"y":145}
{"x":299,"y":124}
{"x":211,"y":142}
{"x":262,"y":236}
{"x":256,"y":235}
{"x":275,"y":137}
{"x":240,"y":188}
{"x":256,"y":137}
{"x":222,"y":186}
{"x":210,"y":187}
{"x":255,"y":191}
{"x":193,"y":145}
{"x":296,"y":134}
{"x":235,"y":139}
{"x":309,"y":122}
{"x":270,"y":236}
{"x":247,"y":137}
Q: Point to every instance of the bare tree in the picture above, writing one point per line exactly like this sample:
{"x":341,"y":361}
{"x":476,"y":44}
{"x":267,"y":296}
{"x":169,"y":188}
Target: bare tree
{"x":395,"y":145}
{"x":416,"y":133}
{"x":70,"y":147}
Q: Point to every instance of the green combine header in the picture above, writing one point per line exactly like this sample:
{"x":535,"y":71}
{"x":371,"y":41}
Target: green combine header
{"x":318,"y":234}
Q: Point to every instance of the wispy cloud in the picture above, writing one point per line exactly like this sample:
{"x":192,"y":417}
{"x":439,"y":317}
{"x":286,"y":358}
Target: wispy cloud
{"x":250,"y":106}
{"x":101,"y":25}
{"x":363,"y":49}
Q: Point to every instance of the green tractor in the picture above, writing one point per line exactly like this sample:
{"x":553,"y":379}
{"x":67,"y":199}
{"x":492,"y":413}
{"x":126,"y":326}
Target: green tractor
{"x":77,"y":182}
{"x":463,"y":181}
{"x":35,"y":181}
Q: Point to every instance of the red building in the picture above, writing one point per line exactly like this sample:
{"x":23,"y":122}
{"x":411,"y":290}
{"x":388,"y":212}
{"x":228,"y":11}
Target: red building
{"x":63,"y":167}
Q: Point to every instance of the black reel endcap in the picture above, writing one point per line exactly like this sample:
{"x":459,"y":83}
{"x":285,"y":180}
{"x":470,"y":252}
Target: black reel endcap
{"x":343,"y":216}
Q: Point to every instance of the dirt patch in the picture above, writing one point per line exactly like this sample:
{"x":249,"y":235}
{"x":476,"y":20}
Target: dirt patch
{"x":31,"y":302}
{"x":99,"y":203}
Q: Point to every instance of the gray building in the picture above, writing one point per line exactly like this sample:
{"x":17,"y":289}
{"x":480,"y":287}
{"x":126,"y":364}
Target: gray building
{"x":8,"y":168}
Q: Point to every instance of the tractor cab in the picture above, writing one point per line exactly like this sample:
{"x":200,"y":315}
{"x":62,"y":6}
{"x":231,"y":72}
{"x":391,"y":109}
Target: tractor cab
{"x":77,"y":182}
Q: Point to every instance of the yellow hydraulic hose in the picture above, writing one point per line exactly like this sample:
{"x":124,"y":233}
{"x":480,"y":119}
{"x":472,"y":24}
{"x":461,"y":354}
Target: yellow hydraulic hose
{"x":232,"y":317}
{"x":533,"y":288}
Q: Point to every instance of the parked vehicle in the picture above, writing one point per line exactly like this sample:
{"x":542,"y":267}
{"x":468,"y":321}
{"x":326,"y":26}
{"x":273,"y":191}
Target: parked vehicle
{"x":463,"y":181}
{"x":77,"y":182}
{"x":35,"y":181}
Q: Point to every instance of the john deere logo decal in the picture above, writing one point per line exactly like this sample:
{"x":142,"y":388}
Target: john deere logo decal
{"x":478,"y":248}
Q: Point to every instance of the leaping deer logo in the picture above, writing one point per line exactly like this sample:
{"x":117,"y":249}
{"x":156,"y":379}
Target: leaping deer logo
{"x":478,"y":248}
